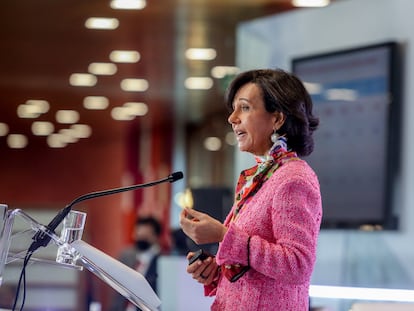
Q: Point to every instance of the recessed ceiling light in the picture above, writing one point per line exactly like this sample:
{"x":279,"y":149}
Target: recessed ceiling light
{"x":95,"y":102}
{"x":27,"y":111}
{"x":121,"y":56}
{"x":106,"y":69}
{"x":82,"y":79}
{"x":102,"y":23}
{"x":129,"y":111}
{"x":4,"y":129}
{"x":42,"y":128}
{"x":56,"y":141}
{"x":67,"y":136}
{"x":136,"y":108}
{"x":220,"y":72}
{"x":42,"y":106}
{"x":134,"y":85}
{"x":17,"y":141}
{"x":33,"y":108}
{"x":128,"y":4}
{"x":67,"y":116}
{"x":121,"y":114}
{"x":198,"y":83}
{"x":201,"y":54}
{"x":81,"y":130}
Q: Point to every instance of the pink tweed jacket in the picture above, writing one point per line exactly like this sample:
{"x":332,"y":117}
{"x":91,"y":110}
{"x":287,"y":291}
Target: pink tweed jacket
{"x":283,"y":221}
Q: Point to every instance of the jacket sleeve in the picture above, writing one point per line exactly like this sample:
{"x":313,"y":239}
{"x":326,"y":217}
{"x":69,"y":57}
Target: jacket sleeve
{"x":295,"y":215}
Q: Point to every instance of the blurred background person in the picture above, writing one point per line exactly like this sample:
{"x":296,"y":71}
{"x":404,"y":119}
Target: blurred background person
{"x":180,"y":243}
{"x":142,"y":256}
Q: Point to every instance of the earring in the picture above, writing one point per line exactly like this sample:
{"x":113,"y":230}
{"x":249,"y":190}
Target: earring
{"x":274,"y":137}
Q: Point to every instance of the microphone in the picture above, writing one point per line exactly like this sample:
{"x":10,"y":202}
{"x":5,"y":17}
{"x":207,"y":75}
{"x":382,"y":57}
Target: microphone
{"x":42,"y":239}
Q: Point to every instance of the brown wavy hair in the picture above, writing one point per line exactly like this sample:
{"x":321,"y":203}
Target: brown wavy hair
{"x":282,"y":92}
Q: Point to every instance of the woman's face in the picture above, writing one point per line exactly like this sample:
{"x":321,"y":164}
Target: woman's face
{"x":251,"y":122}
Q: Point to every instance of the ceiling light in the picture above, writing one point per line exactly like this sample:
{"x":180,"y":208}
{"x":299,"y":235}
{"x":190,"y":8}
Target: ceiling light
{"x":129,"y":111}
{"x":17,"y":141}
{"x":121,"y":114}
{"x":82,"y":79}
{"x":101,"y":23}
{"x":56,"y":141}
{"x":119,"y":56}
{"x":134,"y":85}
{"x":310,"y":3}
{"x":128,"y":4}
{"x":95,"y":102}
{"x":212,"y":143}
{"x":200,"y":54}
{"x":27,"y":111}
{"x":220,"y":72}
{"x":81,"y":130}
{"x":67,"y":136}
{"x":67,"y":116}
{"x":136,"y":108}
{"x":4,"y":129}
{"x":41,"y":106}
{"x":198,"y":83}
{"x":42,"y":128}
{"x":33,"y":108}
{"x":106,"y":69}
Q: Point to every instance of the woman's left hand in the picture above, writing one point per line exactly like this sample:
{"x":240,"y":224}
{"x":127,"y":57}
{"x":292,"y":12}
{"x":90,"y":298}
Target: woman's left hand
{"x":204,"y":271}
{"x":200,"y":227}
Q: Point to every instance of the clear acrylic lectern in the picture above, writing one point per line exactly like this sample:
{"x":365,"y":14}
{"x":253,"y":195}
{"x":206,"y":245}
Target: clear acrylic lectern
{"x":16,"y":239}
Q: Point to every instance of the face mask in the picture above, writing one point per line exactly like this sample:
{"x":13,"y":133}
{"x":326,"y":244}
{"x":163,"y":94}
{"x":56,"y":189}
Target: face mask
{"x":142,"y":245}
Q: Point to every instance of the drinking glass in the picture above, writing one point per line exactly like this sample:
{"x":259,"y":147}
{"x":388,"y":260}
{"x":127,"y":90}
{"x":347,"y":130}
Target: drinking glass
{"x":72,"y":230}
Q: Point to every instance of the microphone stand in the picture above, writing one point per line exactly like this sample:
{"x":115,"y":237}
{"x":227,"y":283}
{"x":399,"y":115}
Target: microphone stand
{"x":42,"y":239}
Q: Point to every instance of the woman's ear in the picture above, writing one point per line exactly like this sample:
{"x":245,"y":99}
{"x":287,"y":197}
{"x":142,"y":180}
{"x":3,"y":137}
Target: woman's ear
{"x":280,"y":119}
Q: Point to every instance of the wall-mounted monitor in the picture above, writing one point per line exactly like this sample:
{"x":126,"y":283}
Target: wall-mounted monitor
{"x":355,"y":93}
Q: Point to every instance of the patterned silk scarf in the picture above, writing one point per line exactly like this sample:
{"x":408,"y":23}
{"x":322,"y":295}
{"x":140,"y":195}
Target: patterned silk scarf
{"x":252,"y":179}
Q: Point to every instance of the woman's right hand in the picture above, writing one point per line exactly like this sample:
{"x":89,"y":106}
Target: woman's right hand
{"x":200,"y":227}
{"x":204,"y":271}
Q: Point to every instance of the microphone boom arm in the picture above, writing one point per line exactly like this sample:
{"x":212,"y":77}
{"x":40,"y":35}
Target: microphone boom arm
{"x":42,"y":239}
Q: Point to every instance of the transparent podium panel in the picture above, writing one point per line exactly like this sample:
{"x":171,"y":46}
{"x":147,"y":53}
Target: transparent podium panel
{"x":125,"y":280}
{"x":17,"y":230}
